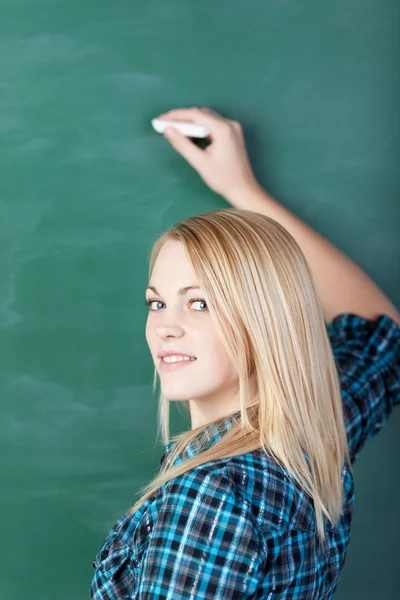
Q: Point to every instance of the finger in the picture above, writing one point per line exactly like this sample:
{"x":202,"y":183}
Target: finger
{"x":197,"y":115}
{"x":193,"y":154}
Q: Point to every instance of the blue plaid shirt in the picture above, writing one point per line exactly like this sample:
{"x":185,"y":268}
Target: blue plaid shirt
{"x":241,"y":528}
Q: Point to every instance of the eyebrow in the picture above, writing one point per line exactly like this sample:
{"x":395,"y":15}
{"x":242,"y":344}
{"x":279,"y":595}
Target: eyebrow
{"x":181,"y":292}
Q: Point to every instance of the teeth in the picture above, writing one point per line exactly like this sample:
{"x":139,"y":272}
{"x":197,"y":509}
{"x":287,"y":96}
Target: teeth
{"x":175,"y":358}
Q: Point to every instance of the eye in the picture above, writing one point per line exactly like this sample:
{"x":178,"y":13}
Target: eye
{"x":150,"y":301}
{"x":198,"y":300}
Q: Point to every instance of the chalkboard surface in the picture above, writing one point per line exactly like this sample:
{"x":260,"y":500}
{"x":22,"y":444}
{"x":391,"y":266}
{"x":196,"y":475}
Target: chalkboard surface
{"x":87,"y":185}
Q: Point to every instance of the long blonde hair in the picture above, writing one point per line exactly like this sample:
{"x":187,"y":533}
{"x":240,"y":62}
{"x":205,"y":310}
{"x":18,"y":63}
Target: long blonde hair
{"x":262,"y":298}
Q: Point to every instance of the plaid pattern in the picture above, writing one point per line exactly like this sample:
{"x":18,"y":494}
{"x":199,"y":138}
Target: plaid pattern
{"x":241,"y":528}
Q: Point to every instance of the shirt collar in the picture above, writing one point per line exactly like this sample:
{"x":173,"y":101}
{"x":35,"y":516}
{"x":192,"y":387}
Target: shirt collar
{"x":205,"y":439}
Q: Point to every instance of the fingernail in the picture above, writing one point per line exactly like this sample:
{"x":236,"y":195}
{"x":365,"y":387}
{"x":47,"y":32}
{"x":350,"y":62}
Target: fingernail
{"x":169,"y":132}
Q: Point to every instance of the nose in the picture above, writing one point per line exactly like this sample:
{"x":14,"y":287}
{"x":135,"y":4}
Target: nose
{"x":168,"y":323}
{"x":169,"y":328}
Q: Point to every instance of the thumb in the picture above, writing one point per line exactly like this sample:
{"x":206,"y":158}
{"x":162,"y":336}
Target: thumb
{"x":193,"y":154}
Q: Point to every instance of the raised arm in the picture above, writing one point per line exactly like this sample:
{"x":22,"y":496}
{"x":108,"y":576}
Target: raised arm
{"x":342,"y":285}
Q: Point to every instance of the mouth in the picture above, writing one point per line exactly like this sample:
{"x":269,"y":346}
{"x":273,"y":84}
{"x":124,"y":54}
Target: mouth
{"x":173,"y":366}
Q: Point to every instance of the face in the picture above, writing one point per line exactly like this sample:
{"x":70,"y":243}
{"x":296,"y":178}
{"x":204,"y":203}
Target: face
{"x":181,"y":321}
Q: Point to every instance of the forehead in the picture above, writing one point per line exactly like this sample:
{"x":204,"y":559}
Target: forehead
{"x":172,"y":266}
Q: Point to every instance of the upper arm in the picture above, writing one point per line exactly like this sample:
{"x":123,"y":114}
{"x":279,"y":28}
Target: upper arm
{"x":367,"y":355}
{"x":204,"y":543}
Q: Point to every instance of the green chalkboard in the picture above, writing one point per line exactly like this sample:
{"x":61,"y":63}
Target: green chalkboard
{"x":87,"y":185}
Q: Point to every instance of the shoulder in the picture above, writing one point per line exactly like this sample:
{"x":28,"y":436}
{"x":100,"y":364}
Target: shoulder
{"x":257,"y":484}
{"x":278,"y":502}
{"x":252,"y":480}
{"x":208,"y":496}
{"x":205,"y":483}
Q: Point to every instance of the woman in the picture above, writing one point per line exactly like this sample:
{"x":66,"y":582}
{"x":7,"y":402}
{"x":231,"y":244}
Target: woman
{"x":285,"y":375}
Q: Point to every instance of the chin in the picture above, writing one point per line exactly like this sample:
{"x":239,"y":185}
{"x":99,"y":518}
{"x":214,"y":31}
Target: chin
{"x":174,"y":394}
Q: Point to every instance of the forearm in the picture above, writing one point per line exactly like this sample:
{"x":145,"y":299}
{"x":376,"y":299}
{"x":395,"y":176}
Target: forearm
{"x":342,"y":285}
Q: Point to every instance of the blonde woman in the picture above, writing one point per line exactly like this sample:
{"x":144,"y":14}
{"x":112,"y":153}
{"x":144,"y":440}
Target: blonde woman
{"x":286,"y":356}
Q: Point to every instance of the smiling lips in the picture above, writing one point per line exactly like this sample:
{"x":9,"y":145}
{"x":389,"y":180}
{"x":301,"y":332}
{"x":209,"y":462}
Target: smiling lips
{"x":176,"y":364}
{"x":177,"y":357}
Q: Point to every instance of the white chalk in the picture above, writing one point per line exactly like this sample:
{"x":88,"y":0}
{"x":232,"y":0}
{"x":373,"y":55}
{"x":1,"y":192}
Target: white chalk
{"x":186,"y":127}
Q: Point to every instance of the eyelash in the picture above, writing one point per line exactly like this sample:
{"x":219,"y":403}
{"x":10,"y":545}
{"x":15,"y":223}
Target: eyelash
{"x":150,"y":300}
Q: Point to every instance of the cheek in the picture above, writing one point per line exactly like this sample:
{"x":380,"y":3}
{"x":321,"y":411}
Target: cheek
{"x":150,"y":337}
{"x":216,"y":354}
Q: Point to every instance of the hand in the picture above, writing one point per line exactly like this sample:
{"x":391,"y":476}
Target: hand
{"x":224,"y":164}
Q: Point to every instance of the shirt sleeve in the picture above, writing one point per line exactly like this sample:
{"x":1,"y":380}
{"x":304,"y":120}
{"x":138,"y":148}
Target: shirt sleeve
{"x":367,"y":355}
{"x":204,"y":544}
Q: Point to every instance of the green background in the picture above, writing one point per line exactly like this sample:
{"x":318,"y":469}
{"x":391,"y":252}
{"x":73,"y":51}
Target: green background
{"x":87,"y":185}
